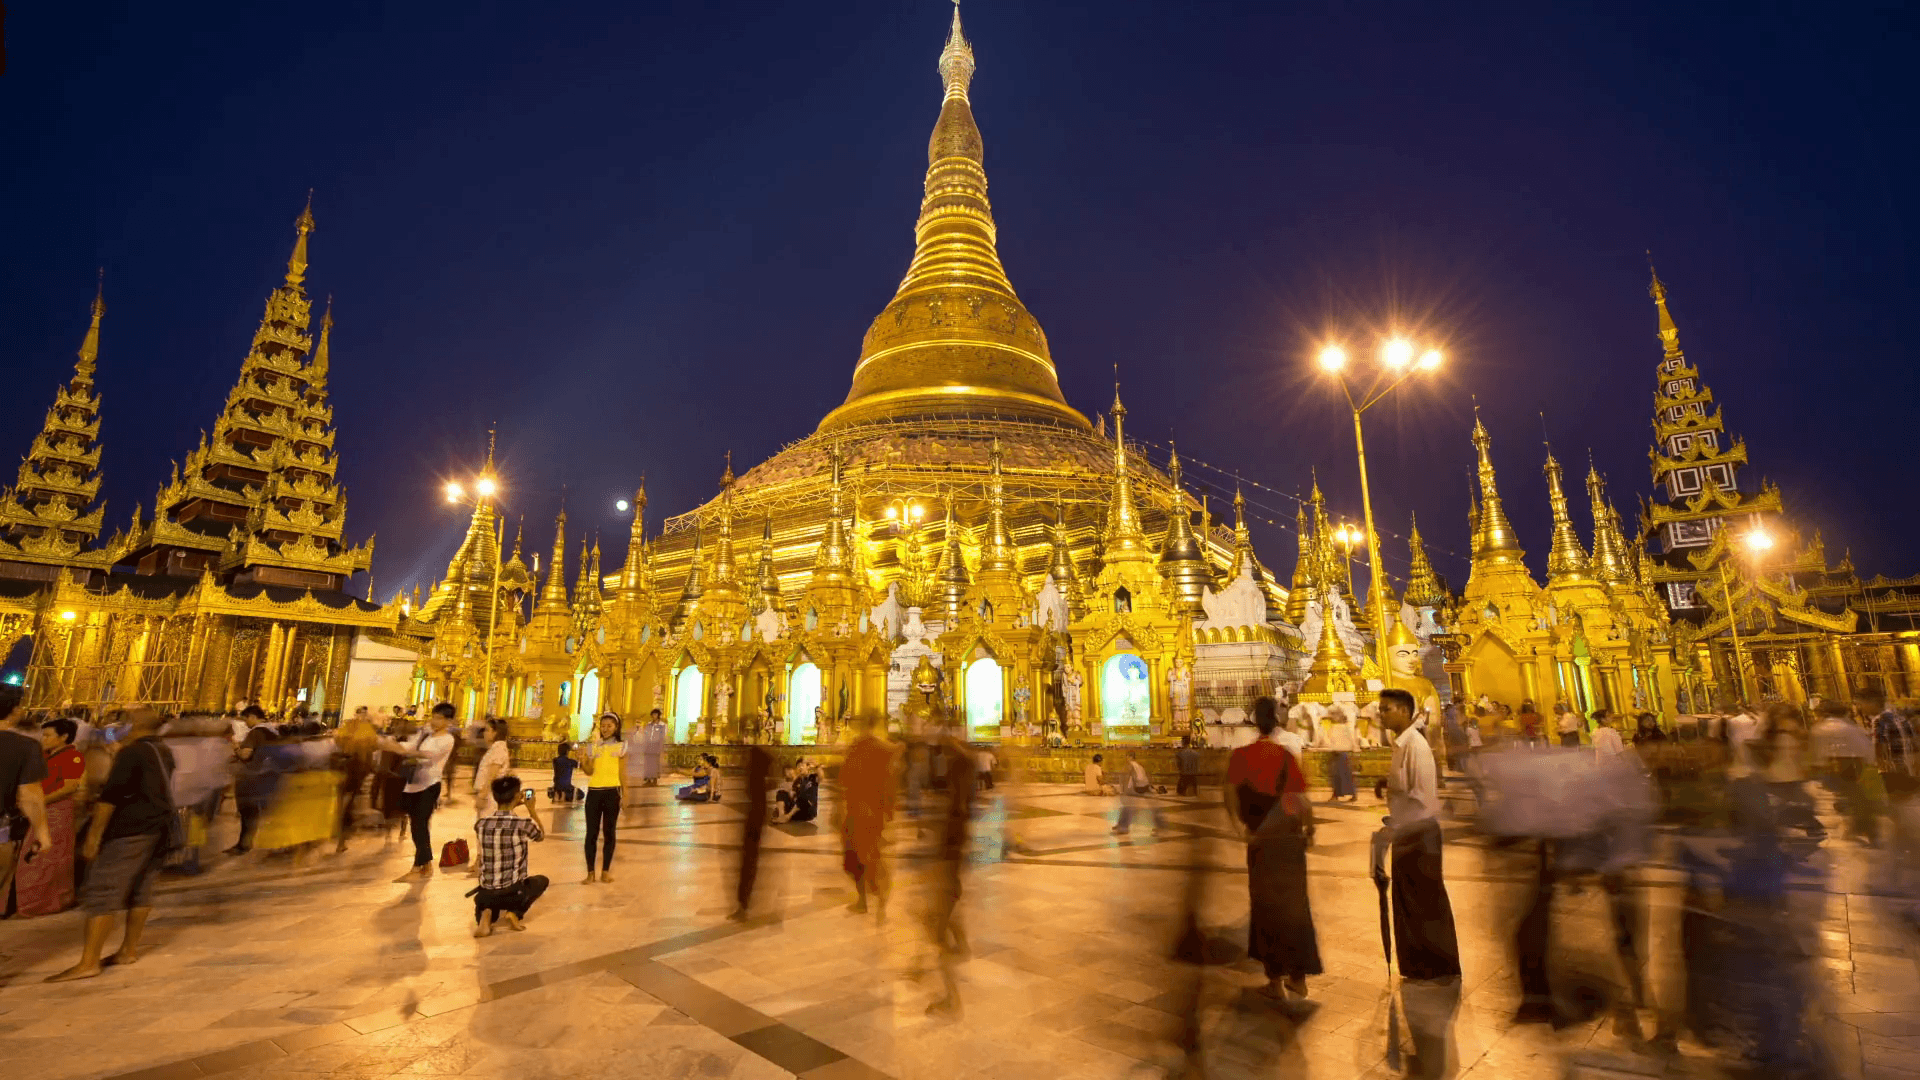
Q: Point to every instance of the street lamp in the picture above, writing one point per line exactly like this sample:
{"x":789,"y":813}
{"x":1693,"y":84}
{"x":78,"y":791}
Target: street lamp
{"x":1757,"y":541}
{"x":485,"y":487}
{"x":1400,"y":360}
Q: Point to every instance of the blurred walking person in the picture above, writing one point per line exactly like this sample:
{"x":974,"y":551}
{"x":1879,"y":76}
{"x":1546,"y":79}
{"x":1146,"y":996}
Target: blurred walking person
{"x":1843,"y":751}
{"x":1266,"y":799}
{"x":759,"y":766}
{"x":866,"y":804}
{"x":945,"y":930}
{"x":1893,"y":743}
{"x":125,"y":842}
{"x":1138,"y":796}
{"x":603,"y":757}
{"x":355,"y":745}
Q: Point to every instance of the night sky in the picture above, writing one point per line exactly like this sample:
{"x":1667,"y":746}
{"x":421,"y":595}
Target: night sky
{"x":638,"y":235}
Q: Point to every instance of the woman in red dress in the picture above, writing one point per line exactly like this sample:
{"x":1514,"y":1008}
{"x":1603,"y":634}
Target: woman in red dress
{"x":1267,"y":799}
{"x":45,"y":885}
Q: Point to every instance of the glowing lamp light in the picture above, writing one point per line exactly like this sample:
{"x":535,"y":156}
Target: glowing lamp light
{"x":621,"y":505}
{"x":1758,"y":540}
{"x":914,"y":510}
{"x":1430,"y":359}
{"x":455,"y":492}
{"x":485,"y":486}
{"x":892,"y":512}
{"x":1333,"y":358}
{"x":69,"y":615}
{"x":1396,"y":355}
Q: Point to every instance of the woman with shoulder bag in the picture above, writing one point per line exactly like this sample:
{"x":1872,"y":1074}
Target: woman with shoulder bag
{"x":1266,"y":798}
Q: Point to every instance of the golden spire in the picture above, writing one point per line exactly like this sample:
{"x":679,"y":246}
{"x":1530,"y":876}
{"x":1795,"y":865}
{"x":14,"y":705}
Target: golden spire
{"x":833,"y":563}
{"x":768,"y":587}
{"x":584,"y":583}
{"x":632,"y":570}
{"x":1300,"y":589}
{"x":1060,"y":569}
{"x":1182,"y":563}
{"x":553,"y":595}
{"x":318,"y":366}
{"x":297,"y":262}
{"x":90,"y":345}
{"x":1126,"y":539}
{"x":1609,"y":550}
{"x":956,"y":60}
{"x":696,"y":583}
{"x":723,"y":547}
{"x":1495,"y":540}
{"x":1567,"y":560}
{"x":1332,"y":669}
{"x":997,"y":556}
{"x":955,"y":340}
{"x":955,"y":582}
{"x":1423,"y":585}
{"x":1669,"y":333}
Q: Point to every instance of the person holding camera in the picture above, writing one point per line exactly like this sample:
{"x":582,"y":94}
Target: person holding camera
{"x":429,"y":750}
{"x":506,"y":890}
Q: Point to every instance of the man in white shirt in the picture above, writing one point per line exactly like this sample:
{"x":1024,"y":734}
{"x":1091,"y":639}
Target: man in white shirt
{"x":1423,"y":932}
{"x":1742,"y":728}
{"x":428,"y":753}
{"x":1423,"y":936}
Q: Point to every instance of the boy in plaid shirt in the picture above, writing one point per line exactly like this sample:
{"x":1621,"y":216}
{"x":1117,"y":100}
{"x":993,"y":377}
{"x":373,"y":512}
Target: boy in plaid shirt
{"x":506,"y":889}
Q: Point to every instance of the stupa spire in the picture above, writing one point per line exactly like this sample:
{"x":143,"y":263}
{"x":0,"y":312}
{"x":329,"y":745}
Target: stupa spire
{"x":1060,"y":568}
{"x":1126,"y":538}
{"x":1610,"y":561}
{"x":834,"y":560}
{"x":723,"y":546}
{"x":1182,"y":564}
{"x":1495,"y":540}
{"x":632,"y":570}
{"x":1423,"y":585}
{"x":1300,"y":589}
{"x":768,"y":588}
{"x":1567,"y":560}
{"x":955,"y":340}
{"x":998,"y":555}
{"x":553,"y":594}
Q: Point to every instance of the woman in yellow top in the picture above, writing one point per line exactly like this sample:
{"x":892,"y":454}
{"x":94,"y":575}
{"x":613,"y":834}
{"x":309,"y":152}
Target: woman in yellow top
{"x":602,"y":758}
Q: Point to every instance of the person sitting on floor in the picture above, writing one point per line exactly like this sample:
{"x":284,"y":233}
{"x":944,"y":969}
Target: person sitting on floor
{"x":1097,"y":780}
{"x":783,"y":800}
{"x":701,"y":790}
{"x":506,"y":890}
{"x":806,"y":791}
{"x":563,"y":766}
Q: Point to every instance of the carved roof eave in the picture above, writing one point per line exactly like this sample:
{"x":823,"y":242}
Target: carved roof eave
{"x":256,"y":552}
{"x":13,"y":513}
{"x":48,"y":551}
{"x":1687,"y":424}
{"x":215,"y":600}
{"x":88,"y":429}
{"x":1700,"y":394}
{"x":44,"y":447}
{"x":1697,"y":455}
{"x":161,"y":532}
{"x":194,"y":486}
{"x":1716,"y":501}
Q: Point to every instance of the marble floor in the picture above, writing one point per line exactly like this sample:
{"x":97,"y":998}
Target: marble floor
{"x":258,"y":968}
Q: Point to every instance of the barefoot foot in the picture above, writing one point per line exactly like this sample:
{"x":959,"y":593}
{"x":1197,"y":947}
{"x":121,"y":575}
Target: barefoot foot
{"x":78,"y":971}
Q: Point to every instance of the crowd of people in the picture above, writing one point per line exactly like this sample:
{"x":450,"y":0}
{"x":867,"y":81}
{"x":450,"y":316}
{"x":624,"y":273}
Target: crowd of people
{"x":96,"y":811}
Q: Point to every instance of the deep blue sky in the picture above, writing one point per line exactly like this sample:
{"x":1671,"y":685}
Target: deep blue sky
{"x":639,"y":235}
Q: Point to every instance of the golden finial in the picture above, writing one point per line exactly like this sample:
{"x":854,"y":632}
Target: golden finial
{"x":956,"y":60}
{"x":726,"y":476}
{"x":1182,"y":563}
{"x":90,"y":345}
{"x":321,"y":362}
{"x":1669,"y":333}
{"x":297,"y":263}
{"x":998,"y":555}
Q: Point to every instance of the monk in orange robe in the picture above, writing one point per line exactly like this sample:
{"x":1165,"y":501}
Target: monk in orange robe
{"x":866,"y":793}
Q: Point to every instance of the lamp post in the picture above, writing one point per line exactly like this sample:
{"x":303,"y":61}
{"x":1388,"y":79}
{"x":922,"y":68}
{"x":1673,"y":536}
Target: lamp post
{"x":485,"y":487}
{"x":1397,"y":365}
{"x":1757,"y":541}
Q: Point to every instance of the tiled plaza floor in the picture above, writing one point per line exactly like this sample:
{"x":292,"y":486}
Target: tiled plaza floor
{"x":258,"y":969}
